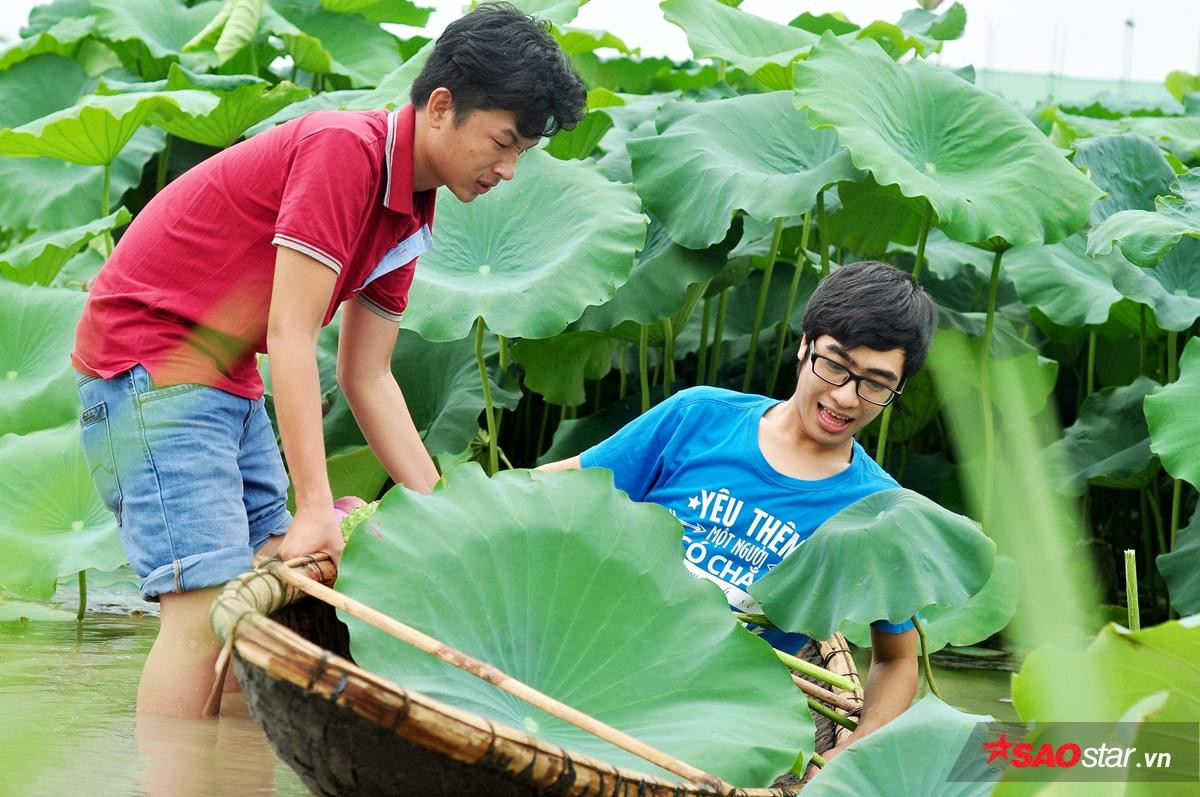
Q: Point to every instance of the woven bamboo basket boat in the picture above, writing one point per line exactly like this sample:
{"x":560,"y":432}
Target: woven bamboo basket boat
{"x":347,"y":731}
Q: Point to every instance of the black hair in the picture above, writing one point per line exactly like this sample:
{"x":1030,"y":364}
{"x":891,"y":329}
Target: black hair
{"x":498,"y":58}
{"x":875,"y":305}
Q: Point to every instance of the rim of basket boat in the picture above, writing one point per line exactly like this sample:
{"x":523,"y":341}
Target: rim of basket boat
{"x":240,"y":617}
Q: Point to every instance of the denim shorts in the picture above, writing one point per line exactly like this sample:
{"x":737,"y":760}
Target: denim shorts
{"x":192,"y":473}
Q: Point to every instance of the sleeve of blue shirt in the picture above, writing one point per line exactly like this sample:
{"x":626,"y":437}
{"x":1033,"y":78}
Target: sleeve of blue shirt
{"x":635,"y":453}
{"x":893,"y":628}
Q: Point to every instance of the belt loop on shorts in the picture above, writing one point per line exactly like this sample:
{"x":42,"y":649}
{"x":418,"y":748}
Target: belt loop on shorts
{"x":178,"y":575}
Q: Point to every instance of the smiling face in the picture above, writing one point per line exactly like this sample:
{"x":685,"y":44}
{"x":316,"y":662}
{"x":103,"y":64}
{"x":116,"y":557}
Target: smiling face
{"x":470,"y":156}
{"x":830,"y":415}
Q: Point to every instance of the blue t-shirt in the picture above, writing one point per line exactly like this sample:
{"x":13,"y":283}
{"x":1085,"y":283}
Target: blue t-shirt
{"x":697,"y":455}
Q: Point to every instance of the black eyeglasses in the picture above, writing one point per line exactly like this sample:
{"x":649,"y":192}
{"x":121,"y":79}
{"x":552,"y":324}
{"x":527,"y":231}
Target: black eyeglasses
{"x":836,"y":374}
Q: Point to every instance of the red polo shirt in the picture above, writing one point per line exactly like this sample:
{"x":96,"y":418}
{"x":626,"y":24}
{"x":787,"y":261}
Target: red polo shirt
{"x":187,"y":290}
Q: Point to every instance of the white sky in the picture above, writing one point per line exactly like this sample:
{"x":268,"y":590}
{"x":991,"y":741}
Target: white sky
{"x":1082,"y":38}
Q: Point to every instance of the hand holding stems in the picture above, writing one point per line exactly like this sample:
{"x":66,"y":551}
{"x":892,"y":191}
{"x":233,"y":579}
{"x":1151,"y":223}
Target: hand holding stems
{"x":314,"y":529}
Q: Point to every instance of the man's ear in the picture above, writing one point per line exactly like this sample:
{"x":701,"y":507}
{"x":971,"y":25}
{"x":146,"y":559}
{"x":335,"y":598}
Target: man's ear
{"x":439,"y":108}
{"x":801,"y":347}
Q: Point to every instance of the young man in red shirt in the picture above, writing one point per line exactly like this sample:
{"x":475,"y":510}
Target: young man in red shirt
{"x":252,"y":251}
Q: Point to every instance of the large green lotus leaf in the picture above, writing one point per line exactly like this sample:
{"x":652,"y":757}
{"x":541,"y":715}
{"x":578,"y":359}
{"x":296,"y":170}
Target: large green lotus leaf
{"x":53,"y":194}
{"x":945,"y":26}
{"x":52,"y":522}
{"x":22,"y":611}
{"x":556,"y":367}
{"x":1172,"y":288}
{"x":989,"y":173}
{"x":659,"y":285}
{"x":37,"y":260}
{"x":37,"y":333}
{"x":356,"y":471}
{"x":38,"y":87}
{"x":574,"y":41}
{"x":647,"y":75}
{"x":581,"y":141}
{"x":441,"y":387}
{"x":1108,"y":445}
{"x":1129,"y":168}
{"x":1173,"y":416}
{"x":1179,"y":568}
{"x":62,"y":38}
{"x":911,"y":756}
{"x":1179,"y":134}
{"x":1072,"y":289}
{"x":149,"y":35}
{"x":985,"y":613}
{"x":234,"y":27}
{"x":489,"y":258}
{"x":1117,"y":669}
{"x":324,"y":42}
{"x":244,"y":101}
{"x":560,"y":12}
{"x":400,"y":12}
{"x":1181,"y":83}
{"x":762,"y":48}
{"x":871,"y":219}
{"x":908,"y":553}
{"x":325,"y":101}
{"x":1144,"y":237}
{"x":754,"y":153}
{"x":95,"y":130}
{"x":80,"y":271}
{"x":581,"y":593}
{"x":47,"y":15}
{"x":918,"y":29}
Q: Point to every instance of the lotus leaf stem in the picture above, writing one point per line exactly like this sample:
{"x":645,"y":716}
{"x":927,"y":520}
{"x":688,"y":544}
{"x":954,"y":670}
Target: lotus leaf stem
{"x":624,"y":383}
{"x":164,"y":161}
{"x":82,"y":596}
{"x":757,"y":619}
{"x":884,"y":424}
{"x":702,"y":352}
{"x":1091,"y":363}
{"x":818,"y":760}
{"x":643,"y":365}
{"x":829,"y":713}
{"x":989,"y":421}
{"x":924,"y":236}
{"x":761,"y":306}
{"x":493,"y":458}
{"x":820,"y":673}
{"x":1156,"y":513}
{"x":823,"y":229}
{"x":785,"y":322}
{"x":1141,"y":339}
{"x":718,"y":335}
{"x":541,"y":438}
{"x":925,"y":665}
{"x":104,"y":209}
{"x":668,"y":356}
{"x":1176,"y":500}
{"x":1131,"y":590}
{"x":500,"y":339}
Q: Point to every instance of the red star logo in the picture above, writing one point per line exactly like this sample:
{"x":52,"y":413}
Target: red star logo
{"x":998,"y":748}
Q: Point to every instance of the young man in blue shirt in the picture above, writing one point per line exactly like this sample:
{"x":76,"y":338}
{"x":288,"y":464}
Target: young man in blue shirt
{"x":750,"y":477}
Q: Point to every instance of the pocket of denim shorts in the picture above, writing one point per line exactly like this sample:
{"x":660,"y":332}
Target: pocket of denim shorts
{"x":98,"y":451}
{"x":154,"y":393}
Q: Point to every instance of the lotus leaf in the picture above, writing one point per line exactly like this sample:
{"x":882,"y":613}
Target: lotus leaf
{"x":1107,"y":105}
{"x":574,"y":41}
{"x":45,"y":16}
{"x":1061,"y":280}
{"x":20,"y":611}
{"x":1173,"y":416}
{"x":580,"y":141}
{"x":580,"y":593}
{"x":1144,"y":236}
{"x":234,"y":27}
{"x":871,"y":219}
{"x":357,"y":472}
{"x":400,"y":12}
{"x":95,"y":130}
{"x":911,"y":756}
{"x":441,"y":387}
{"x":834,"y":21}
{"x":557,"y":367}
{"x":37,"y":260}
{"x":575,"y":435}
{"x":908,"y":553}
{"x":753,"y":153}
{"x":62,"y":38}
{"x":762,"y":48}
{"x":1180,"y":84}
{"x":79,"y":272}
{"x":918,"y":29}
{"x":1180,"y":134}
{"x":560,"y":12}
{"x":954,"y":361}
{"x":149,"y":35}
{"x":40,"y":86}
{"x":1118,"y":669}
{"x":1108,"y":445}
{"x":945,"y":26}
{"x":985,"y":613}
{"x":1179,"y":570}
{"x":1172,"y":288}
{"x":37,"y":332}
{"x":52,"y":522}
{"x":244,"y":101}
{"x":489,"y":259}
{"x":323,"y":42}
{"x":1129,"y":168}
{"x":55,"y":194}
{"x":990,"y":175}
